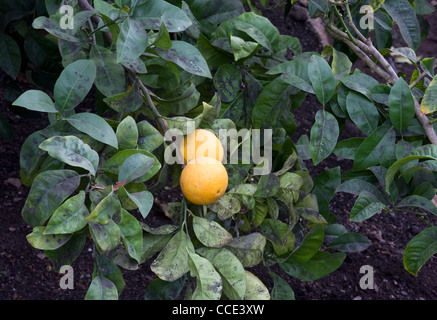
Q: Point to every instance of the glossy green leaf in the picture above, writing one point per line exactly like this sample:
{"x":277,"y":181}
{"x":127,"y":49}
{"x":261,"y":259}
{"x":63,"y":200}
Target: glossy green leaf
{"x":322,"y":79}
{"x":362,"y":112}
{"x":69,"y":217}
{"x":36,"y":100}
{"x":416,"y":201}
{"x":248,"y":249}
{"x":73,"y":151}
{"x":325,"y":185}
{"x":241,"y":48}
{"x":102,"y":289}
{"x":281,"y":289}
{"x":365,"y":207}
{"x":73,"y":84}
{"x":401,"y":105}
{"x":48,"y":191}
{"x":208,"y":282}
{"x":149,"y":138}
{"x":355,"y":186}
{"x":420,"y":249}
{"x":210,"y":233}
{"x":105,"y":210}
{"x":350,"y":242}
{"x":132,"y":235}
{"x":187,"y":57}
{"x":255,"y":289}
{"x":172,"y":261}
{"x":94,"y":126}
{"x":373,"y":147}
{"x":347,"y":148}
{"x":41,"y":241}
{"x":159,"y":289}
{"x":324,"y":136}
{"x":230,"y":269}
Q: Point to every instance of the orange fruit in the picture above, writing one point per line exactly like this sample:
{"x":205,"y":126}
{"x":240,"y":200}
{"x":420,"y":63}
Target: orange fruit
{"x":201,"y":143}
{"x":204,"y":180}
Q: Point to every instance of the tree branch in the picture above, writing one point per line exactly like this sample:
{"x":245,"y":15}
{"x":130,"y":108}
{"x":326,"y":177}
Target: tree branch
{"x":84,"y":5}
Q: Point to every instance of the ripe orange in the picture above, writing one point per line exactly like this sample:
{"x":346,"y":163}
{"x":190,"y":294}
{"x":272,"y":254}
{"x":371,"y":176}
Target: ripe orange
{"x":201,"y":143}
{"x":204,"y":180}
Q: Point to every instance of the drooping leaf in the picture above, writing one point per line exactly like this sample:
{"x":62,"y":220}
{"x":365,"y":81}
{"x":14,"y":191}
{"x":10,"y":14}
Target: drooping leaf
{"x":48,"y":191}
{"x":102,"y":289}
{"x":324,"y":136}
{"x":401,"y":105}
{"x":255,"y":289}
{"x":143,"y":200}
{"x":362,"y":112}
{"x":132,"y":235}
{"x":429,"y":104}
{"x":94,"y":126}
{"x":132,"y":40}
{"x":322,"y":79}
{"x":73,"y":151}
{"x":420,"y":249}
{"x":365,"y":207}
{"x":208,"y":282}
{"x":41,"y":241}
{"x":36,"y":100}
{"x":281,"y":289}
{"x":172,"y":261}
{"x":230,"y":269}
{"x":350,"y":242}
{"x":416,"y":201}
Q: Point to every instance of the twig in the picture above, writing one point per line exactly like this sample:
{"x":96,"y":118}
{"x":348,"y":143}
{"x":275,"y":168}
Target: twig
{"x":419,"y":78}
{"x":86,"y":6}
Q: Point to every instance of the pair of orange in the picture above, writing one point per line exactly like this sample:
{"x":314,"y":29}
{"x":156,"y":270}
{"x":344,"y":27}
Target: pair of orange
{"x":204,"y":179}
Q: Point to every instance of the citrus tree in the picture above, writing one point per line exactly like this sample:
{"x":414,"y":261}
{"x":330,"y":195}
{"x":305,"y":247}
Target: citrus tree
{"x":157,"y":71}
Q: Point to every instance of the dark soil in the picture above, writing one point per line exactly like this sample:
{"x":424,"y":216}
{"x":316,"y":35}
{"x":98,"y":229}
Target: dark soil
{"x":26,"y":274}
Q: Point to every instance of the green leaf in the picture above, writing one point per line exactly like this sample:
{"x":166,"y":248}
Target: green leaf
{"x":279,"y":234}
{"x":267,"y":186}
{"x":347,"y":148}
{"x":186,"y":56}
{"x":110,"y":78}
{"x":325,"y":185}
{"x":241,"y":48}
{"x":68,"y":252}
{"x":360,"y":82}
{"x":94,"y":126}
{"x":401,"y":105}
{"x":72,"y":151}
{"x":420,"y":202}
{"x":350,"y":242}
{"x":255,"y":289}
{"x":48,"y":191}
{"x":164,"y":290}
{"x":248,"y":249}
{"x":210,"y":233}
{"x":105,"y":210}
{"x":322,"y":79}
{"x":132,"y":40}
{"x":226,"y":206}
{"x":132,"y":235}
{"x":106,"y":236}
{"x":135,"y":167}
{"x":41,"y":241}
{"x":107,"y":268}
{"x":69,"y":217}
{"x":149,"y":138}
{"x":127,"y":133}
{"x":324,"y":136}
{"x":52,"y":26}
{"x":172,"y":261}
{"x":309,"y":247}
{"x":153,"y":13}
{"x":321,"y":264}
{"x":429,"y":104}
{"x":373,"y":147}
{"x":365,"y":207}
{"x":362,"y":112}
{"x":227,"y":81}
{"x":113,"y":165}
{"x":102,"y":289}
{"x":10,"y":56}
{"x":143,"y":200}
{"x":420,"y":249}
{"x":397,"y":165}
{"x":36,"y":100}
{"x":281,"y":289}
{"x":230,"y":269}
{"x":403,"y":13}
{"x":73,"y":84}
{"x":356,"y":186}
{"x":208,"y":282}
